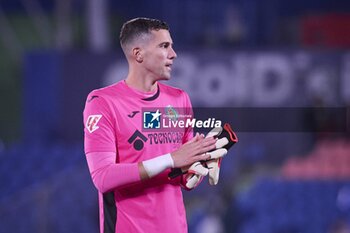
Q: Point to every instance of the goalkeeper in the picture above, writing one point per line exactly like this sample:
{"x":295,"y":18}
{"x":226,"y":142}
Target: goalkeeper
{"x":129,"y":170}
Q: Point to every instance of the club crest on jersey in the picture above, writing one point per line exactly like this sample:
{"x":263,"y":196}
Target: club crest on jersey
{"x":171,"y":113}
{"x":91,"y":122}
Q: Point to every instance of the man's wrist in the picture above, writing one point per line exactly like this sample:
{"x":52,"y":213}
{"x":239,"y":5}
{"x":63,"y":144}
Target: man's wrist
{"x":158,"y":164}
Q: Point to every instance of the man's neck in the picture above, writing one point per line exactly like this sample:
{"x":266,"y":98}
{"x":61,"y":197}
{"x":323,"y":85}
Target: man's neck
{"x":143,"y":84}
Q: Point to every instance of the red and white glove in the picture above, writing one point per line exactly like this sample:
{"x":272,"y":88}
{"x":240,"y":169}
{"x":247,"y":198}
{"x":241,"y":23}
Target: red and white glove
{"x":195,"y":173}
{"x":226,"y":139}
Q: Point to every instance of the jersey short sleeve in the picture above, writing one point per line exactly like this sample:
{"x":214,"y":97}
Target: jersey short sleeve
{"x":99,"y":126}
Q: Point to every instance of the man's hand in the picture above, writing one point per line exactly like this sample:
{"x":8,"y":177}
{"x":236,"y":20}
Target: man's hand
{"x":195,"y":175}
{"x":193,"y":151}
{"x":225,"y":139}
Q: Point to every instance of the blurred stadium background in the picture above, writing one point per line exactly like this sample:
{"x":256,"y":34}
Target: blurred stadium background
{"x":234,"y":54}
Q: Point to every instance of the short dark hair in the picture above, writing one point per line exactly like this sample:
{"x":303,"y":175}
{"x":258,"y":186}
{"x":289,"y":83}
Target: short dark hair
{"x":138,"y":26}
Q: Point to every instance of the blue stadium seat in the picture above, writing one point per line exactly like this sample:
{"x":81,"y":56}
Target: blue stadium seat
{"x":290,"y":206}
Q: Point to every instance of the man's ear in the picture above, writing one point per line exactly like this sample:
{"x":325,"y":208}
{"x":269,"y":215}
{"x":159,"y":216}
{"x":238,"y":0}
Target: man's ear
{"x":137,"y":54}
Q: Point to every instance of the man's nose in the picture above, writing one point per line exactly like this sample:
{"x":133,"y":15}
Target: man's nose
{"x":172,"y":54}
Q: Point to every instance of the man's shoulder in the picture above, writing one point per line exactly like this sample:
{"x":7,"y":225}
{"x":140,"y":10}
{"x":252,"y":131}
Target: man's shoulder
{"x":106,"y":91}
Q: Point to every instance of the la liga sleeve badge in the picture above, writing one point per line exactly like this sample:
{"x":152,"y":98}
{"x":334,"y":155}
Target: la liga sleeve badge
{"x":91,"y":122}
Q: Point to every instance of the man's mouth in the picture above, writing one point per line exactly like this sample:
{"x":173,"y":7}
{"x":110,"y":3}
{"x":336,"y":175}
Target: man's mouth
{"x":168,"y":66}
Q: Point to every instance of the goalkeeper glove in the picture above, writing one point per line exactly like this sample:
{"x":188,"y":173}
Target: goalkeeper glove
{"x":195,"y":175}
{"x":226,"y":139}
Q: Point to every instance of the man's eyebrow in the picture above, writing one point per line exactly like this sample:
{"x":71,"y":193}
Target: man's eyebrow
{"x":166,"y":43}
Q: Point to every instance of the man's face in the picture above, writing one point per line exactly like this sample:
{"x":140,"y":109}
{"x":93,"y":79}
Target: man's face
{"x":158,"y":54}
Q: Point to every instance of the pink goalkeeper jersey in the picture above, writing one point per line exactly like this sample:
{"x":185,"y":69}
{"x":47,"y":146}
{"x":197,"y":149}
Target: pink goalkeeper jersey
{"x":113,"y":119}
